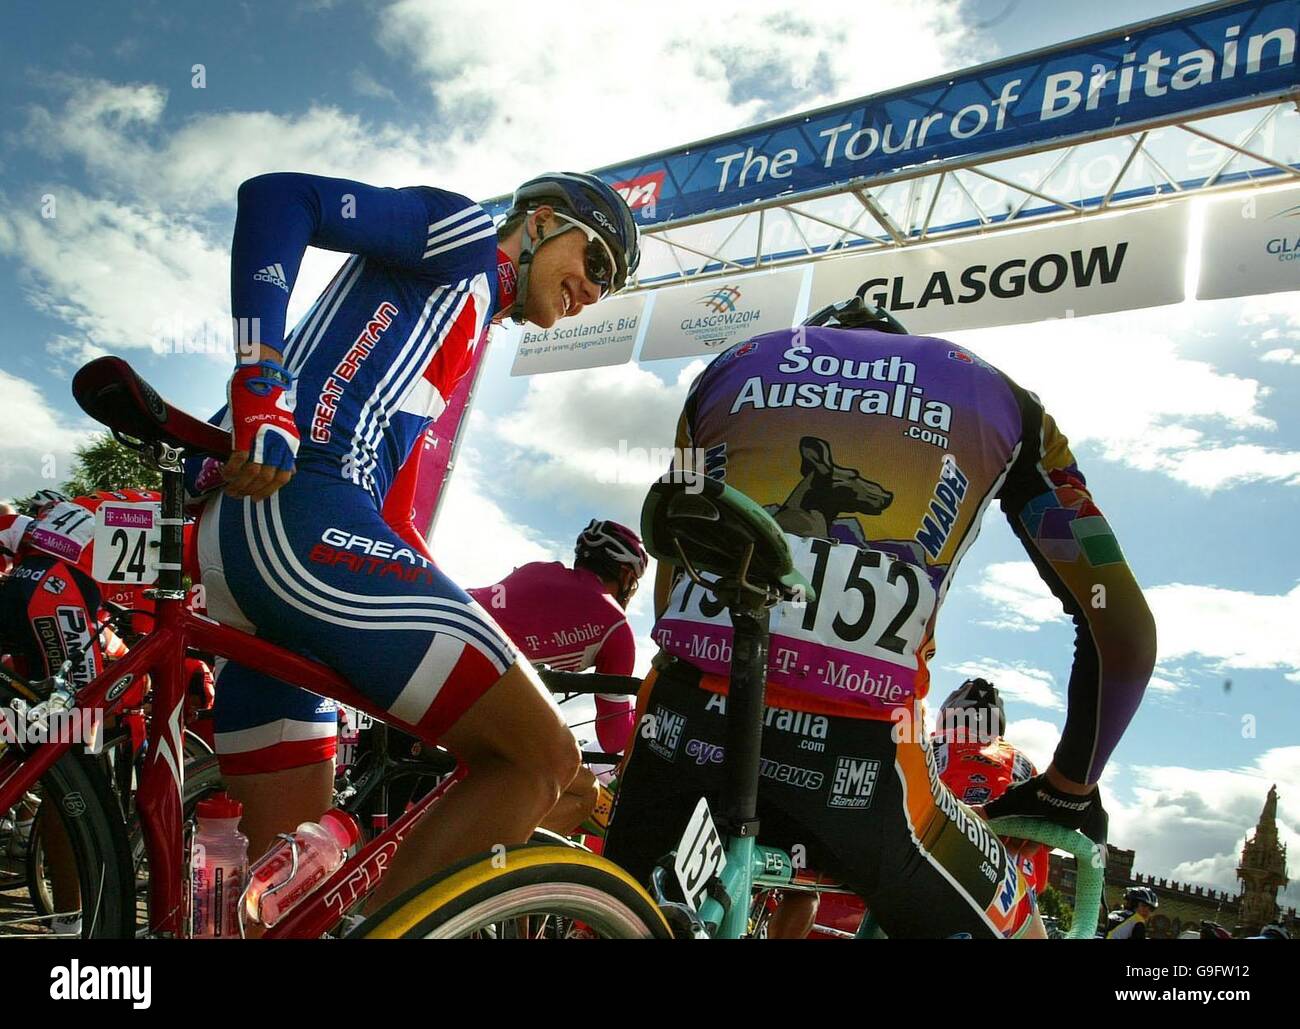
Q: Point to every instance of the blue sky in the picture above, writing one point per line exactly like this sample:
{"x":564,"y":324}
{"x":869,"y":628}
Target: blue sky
{"x":1182,"y":418}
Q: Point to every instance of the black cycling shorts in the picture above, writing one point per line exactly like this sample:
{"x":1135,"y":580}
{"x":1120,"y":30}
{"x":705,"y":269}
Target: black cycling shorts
{"x":837,"y":793}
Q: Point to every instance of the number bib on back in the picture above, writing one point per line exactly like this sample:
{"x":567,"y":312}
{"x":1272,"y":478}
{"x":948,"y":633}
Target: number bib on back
{"x":857,"y":642}
{"x":64,"y":532}
{"x":127,"y":538}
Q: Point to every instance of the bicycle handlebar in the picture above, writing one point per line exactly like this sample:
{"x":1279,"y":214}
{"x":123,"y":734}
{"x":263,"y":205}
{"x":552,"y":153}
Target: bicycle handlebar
{"x":589,"y":682}
{"x":1090,"y":874}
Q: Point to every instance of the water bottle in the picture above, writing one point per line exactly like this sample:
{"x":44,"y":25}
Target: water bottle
{"x":275,"y":887}
{"x":218,"y":869}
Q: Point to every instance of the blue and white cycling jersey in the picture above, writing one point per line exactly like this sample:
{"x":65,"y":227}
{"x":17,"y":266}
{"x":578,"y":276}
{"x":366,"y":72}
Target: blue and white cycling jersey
{"x":315,"y":567}
{"x":381,"y":349}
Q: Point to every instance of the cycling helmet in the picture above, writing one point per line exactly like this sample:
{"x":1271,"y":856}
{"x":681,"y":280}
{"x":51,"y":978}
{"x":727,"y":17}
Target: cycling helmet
{"x":42,"y":500}
{"x":589,"y":201}
{"x":1136,"y":895}
{"x":977,"y":695}
{"x":609,"y":543}
{"x":856,"y":313}
{"x":1272,"y":932}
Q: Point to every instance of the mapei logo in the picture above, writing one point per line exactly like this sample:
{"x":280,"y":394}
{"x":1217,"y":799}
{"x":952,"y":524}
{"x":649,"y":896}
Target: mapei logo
{"x":853,"y":782}
{"x":721,"y":300}
{"x":642,"y":191}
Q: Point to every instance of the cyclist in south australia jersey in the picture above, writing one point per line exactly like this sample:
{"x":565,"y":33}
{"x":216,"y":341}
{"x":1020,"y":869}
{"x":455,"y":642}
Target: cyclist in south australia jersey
{"x":877,"y":453}
{"x":310,"y":541}
{"x":572,"y":619}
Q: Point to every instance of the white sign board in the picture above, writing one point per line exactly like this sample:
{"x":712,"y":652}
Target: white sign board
{"x":708,"y":317}
{"x":1251,"y":245}
{"x":602,"y":334}
{"x":1090,"y":266}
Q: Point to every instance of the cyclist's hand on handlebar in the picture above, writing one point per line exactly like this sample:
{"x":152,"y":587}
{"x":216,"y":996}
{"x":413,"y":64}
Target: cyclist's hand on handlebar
{"x":265,"y":437}
{"x":1040,"y":798}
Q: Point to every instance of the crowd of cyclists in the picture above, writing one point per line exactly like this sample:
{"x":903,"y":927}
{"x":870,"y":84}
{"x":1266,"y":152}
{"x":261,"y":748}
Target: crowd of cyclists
{"x":306,"y":537}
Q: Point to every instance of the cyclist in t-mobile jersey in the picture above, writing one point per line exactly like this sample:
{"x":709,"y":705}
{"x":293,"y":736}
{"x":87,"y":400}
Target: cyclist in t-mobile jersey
{"x":573,"y":619}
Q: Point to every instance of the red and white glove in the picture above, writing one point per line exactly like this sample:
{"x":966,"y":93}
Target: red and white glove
{"x":261,"y":412}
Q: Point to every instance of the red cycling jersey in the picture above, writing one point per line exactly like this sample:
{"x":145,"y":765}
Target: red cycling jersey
{"x":564,"y":618}
{"x":978,"y":772}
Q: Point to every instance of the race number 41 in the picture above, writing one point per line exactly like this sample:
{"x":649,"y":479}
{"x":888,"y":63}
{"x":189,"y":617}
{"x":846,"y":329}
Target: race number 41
{"x":127,"y":538}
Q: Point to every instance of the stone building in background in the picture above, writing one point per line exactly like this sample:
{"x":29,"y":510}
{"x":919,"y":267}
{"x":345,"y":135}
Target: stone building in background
{"x":1262,"y":872}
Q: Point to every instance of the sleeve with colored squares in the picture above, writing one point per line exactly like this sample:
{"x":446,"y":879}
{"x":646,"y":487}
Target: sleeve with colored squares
{"x":1047,"y":502}
{"x":418,"y":228}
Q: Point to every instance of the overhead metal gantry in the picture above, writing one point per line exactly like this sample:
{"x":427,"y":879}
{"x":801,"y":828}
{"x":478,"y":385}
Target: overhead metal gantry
{"x":1257,"y":142}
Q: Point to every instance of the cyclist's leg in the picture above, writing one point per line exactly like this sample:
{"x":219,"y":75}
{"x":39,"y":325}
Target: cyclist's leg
{"x":275,"y":744}
{"x":926,"y":864}
{"x":794,"y":917}
{"x":659,"y":783}
{"x":575,"y":805}
{"x":304,"y":567}
{"x":521,"y":757}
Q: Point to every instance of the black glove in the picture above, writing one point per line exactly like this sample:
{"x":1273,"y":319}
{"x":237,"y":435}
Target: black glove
{"x":1038,"y":798}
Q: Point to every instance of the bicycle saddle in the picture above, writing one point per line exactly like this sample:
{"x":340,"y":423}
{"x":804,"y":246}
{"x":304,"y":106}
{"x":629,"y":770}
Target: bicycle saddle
{"x":689,"y":518}
{"x":109,"y":391}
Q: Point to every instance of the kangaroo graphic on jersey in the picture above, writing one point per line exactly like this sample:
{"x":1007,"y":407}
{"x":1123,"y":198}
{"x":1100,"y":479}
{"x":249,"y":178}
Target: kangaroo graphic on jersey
{"x":825,"y":492}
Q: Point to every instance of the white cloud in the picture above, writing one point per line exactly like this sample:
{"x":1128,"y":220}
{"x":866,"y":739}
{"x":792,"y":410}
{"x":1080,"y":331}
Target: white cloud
{"x":1234,"y":628}
{"x":1281,"y":355}
{"x":34,"y":439}
{"x":1190,"y":823}
{"x":1018,"y":681}
{"x":647,"y":77}
{"x":1022,"y":599}
{"x":475,"y":542}
{"x":1036,"y":737}
{"x":118,"y":275}
{"x":1163,"y":411}
{"x":595,"y":439}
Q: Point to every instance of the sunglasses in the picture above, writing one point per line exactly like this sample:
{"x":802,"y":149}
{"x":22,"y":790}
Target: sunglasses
{"x":600,"y":266}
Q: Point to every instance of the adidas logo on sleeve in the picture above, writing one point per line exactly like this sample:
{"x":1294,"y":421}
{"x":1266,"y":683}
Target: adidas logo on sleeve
{"x":274,"y":274}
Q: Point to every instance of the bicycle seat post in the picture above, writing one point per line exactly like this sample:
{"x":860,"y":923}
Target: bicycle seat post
{"x":744,"y":729}
{"x":171,"y":585}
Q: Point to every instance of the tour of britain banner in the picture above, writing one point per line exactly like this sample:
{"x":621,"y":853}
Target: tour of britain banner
{"x":1192,"y":62}
{"x":1070,"y":269}
{"x":1251,"y":245}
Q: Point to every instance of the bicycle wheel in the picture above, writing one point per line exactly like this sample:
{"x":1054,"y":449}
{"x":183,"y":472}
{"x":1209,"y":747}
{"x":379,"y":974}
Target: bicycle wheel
{"x":100,"y":850}
{"x":535,"y":891}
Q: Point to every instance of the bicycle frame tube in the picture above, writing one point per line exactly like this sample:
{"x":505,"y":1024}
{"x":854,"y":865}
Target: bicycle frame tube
{"x":358,"y":877}
{"x":744,"y":739}
{"x":160,"y":655}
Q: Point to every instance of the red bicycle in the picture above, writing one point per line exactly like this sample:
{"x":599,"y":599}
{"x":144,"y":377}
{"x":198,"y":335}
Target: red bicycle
{"x":110,"y":391}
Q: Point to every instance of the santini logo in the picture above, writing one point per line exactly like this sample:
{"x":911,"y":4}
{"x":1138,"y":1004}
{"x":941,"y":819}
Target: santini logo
{"x":108,"y":982}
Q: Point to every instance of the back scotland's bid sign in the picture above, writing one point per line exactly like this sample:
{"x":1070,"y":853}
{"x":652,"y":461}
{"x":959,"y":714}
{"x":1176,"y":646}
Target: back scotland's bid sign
{"x":1200,"y":60}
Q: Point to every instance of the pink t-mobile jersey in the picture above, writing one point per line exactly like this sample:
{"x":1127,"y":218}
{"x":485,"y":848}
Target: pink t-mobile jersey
{"x":564,"y":618}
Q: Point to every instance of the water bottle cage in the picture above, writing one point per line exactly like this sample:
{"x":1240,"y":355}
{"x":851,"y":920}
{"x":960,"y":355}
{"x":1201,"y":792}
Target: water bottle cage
{"x":293,"y":872}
